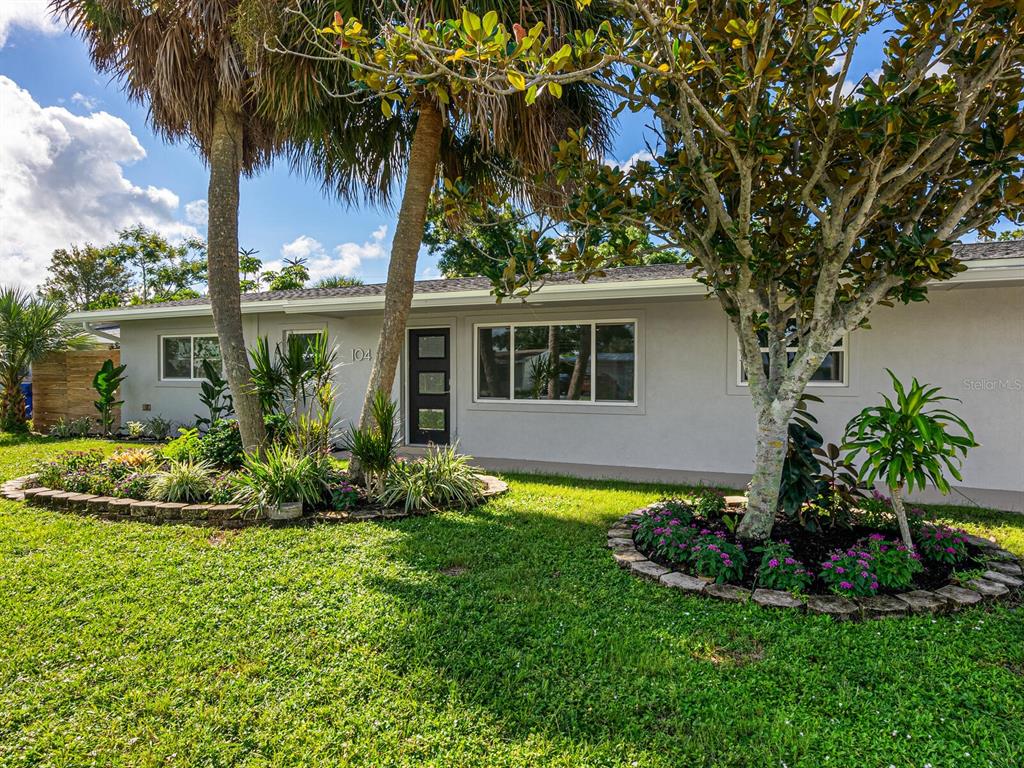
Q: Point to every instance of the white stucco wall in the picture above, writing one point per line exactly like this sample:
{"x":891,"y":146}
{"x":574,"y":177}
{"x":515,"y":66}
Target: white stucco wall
{"x":692,"y":420}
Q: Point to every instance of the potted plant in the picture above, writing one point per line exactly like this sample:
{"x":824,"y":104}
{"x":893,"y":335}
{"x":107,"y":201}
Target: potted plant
{"x":278,"y":484}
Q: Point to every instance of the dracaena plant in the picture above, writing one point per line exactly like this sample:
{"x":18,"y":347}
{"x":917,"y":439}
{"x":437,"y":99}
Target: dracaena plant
{"x":908,"y":443}
{"x":805,"y":193}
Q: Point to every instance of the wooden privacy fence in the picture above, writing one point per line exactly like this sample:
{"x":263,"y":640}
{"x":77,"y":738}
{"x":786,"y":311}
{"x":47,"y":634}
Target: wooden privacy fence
{"x":62,"y":386}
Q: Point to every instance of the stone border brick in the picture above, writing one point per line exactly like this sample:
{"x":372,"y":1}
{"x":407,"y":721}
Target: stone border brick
{"x":1004,"y":573}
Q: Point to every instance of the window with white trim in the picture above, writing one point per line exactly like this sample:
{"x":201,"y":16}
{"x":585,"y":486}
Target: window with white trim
{"x":572,"y":361}
{"x":181,"y":357}
{"x":831,"y":372}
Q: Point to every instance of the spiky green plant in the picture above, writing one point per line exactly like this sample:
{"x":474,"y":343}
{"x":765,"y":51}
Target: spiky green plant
{"x":187,"y":481}
{"x":442,"y":479}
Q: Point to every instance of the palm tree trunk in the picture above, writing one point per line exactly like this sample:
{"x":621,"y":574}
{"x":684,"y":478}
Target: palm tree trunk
{"x":222,"y":261}
{"x":405,"y":248}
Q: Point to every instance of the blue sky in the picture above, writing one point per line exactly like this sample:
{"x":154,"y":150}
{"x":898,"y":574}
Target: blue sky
{"x":49,"y":88}
{"x":79,"y":162}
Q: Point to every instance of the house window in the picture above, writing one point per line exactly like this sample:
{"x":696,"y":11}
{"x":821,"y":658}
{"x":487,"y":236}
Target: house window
{"x":182,"y":356}
{"x":304,"y":338}
{"x":831,"y":372}
{"x":573,"y":362}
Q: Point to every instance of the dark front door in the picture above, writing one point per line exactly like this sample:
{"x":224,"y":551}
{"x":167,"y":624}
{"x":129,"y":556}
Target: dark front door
{"x":429,"y":386}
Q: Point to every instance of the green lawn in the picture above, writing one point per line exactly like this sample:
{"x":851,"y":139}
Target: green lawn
{"x":505,"y":636}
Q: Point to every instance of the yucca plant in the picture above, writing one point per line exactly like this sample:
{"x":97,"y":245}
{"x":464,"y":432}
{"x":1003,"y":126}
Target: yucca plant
{"x":374,"y":447}
{"x":442,"y":479}
{"x":907,"y":443}
{"x":187,"y":481}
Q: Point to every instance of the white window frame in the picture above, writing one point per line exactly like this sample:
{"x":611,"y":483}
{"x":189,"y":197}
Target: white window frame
{"x":844,"y":347}
{"x":192,"y":354}
{"x":511,"y":399}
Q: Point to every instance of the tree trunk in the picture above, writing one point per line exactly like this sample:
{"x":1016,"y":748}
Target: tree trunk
{"x":901,"y":516}
{"x":405,"y":248}
{"x":12,"y":408}
{"x":222,"y":260}
{"x":769,"y":456}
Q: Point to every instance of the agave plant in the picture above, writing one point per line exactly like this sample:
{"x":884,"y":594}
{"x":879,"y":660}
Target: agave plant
{"x":908,"y":443}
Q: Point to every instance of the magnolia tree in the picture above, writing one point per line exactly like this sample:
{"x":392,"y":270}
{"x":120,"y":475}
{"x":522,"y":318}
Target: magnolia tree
{"x":805,"y":196}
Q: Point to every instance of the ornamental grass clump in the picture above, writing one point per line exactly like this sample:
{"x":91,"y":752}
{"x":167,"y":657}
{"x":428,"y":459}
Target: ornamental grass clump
{"x":850,"y":573}
{"x":780,"y":570}
{"x":893,"y":563}
{"x":188,"y":481}
{"x":942,"y":544}
{"x":442,"y":479}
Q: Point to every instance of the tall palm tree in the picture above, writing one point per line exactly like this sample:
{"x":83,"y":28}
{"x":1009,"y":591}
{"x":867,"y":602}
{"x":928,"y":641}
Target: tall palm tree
{"x":180,"y":58}
{"x":30,"y":327}
{"x":368,"y":153}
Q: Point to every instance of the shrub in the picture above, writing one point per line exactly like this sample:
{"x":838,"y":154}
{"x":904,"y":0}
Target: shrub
{"x":942,"y":544}
{"x":374,"y":447}
{"x":55,"y":472}
{"x":134,"y":485}
{"x":222,"y":490}
{"x":221,"y":446}
{"x":343,"y":494}
{"x":709,"y":503}
{"x":185,"y":447}
{"x":134,"y":458}
{"x":159,"y":427}
{"x":282,"y":477}
{"x":711,"y":555}
{"x":850,"y":573}
{"x":780,"y":570}
{"x":135,"y":429}
{"x":79,"y":427}
{"x":187,"y":481}
{"x":665,"y":530}
{"x":442,"y":479}
{"x":892,"y":563}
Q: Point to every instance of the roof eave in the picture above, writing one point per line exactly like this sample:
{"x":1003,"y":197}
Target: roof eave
{"x":978,"y":271}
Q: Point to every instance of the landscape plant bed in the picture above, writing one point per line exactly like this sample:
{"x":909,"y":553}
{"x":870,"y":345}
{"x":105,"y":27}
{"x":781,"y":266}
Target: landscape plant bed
{"x":669,"y":543}
{"x":114,"y":508}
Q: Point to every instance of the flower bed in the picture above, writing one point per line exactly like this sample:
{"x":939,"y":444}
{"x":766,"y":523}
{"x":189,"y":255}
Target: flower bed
{"x":855,"y":572}
{"x":175,"y":486}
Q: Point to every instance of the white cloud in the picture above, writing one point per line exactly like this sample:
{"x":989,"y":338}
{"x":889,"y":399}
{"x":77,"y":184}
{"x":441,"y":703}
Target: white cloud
{"x":197,"y":212}
{"x":627,"y":165}
{"x":86,"y":102}
{"x":345,"y":260}
{"x":27,"y":14}
{"x":62,"y":181}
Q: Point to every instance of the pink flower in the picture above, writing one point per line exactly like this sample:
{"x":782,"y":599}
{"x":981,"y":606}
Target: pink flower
{"x":773,"y":563}
{"x":845,"y":585}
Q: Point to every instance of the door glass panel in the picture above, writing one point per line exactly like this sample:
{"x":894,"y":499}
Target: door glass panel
{"x":432,"y":383}
{"x":552,"y":362}
{"x":431,"y":419}
{"x":431,"y":347}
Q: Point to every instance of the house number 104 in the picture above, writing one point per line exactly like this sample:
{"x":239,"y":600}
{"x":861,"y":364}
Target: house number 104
{"x":362,"y":353}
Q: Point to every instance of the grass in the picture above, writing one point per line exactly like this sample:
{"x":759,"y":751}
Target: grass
{"x":504,"y":636}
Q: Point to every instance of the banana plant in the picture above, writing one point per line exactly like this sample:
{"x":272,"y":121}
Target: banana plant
{"x":106,"y":382}
{"x":909,"y":443}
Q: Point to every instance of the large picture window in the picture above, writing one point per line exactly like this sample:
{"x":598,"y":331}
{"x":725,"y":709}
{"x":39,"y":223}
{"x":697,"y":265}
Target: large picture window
{"x":181,"y":357}
{"x":831,"y":372}
{"x":578,"y":362}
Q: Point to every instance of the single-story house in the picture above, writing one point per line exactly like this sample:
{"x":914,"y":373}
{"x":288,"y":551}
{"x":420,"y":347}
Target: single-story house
{"x":632,"y":375}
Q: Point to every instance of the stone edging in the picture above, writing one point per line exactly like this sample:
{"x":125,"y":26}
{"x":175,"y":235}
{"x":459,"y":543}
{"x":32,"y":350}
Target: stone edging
{"x":1003,"y":573}
{"x":215,"y":515}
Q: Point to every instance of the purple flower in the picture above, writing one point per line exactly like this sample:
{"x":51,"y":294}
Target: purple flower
{"x":773,"y":563}
{"x":845,"y":585}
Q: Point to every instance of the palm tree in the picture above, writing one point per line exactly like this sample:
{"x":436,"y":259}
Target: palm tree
{"x":30,"y":327}
{"x":369,"y":151}
{"x":180,"y":58}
